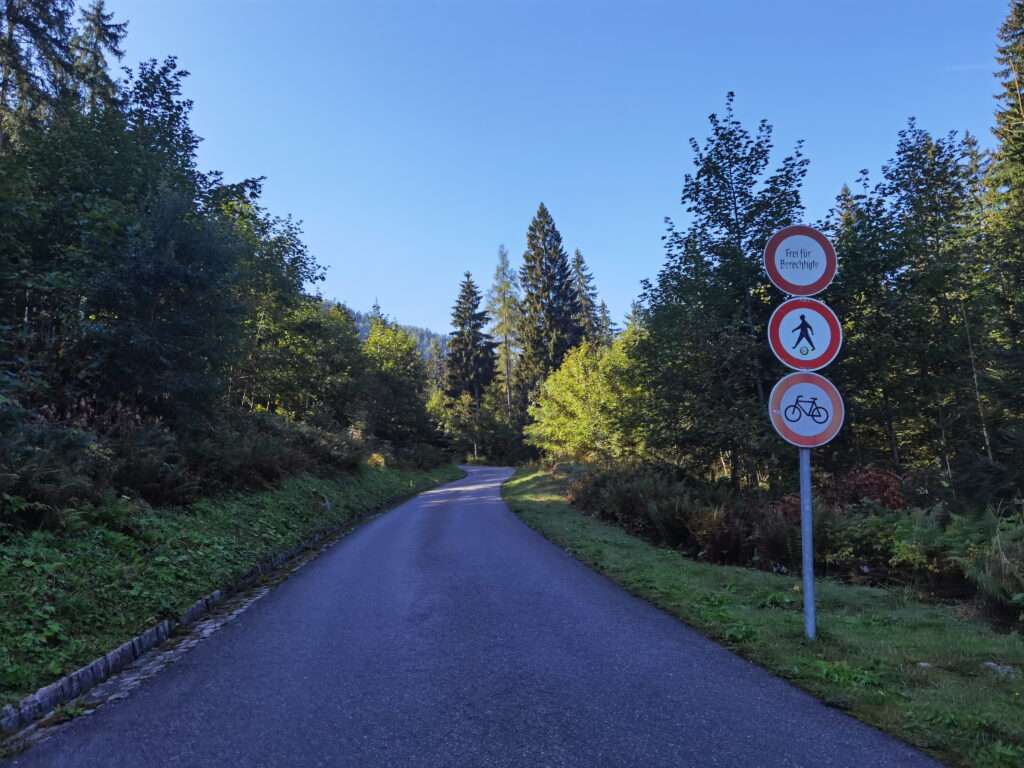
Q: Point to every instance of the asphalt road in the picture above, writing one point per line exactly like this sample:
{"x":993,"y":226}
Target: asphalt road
{"x":447,"y":633}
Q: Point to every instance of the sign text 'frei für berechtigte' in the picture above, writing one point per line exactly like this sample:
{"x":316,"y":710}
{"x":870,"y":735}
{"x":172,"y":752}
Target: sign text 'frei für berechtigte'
{"x":800,"y":261}
{"x":805,"y":408}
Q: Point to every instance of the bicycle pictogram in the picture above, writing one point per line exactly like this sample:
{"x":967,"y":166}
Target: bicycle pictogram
{"x":805,"y":406}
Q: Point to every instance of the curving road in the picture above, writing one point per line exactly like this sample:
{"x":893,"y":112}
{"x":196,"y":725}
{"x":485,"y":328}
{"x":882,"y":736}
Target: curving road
{"x":447,"y":633}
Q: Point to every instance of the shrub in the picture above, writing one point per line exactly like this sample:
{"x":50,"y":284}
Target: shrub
{"x":990,"y":551}
{"x":863,"y":528}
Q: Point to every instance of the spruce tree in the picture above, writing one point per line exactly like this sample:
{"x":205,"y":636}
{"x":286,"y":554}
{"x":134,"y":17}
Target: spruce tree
{"x":99,"y":35}
{"x":35,"y":58}
{"x":1005,"y":223}
{"x":606,"y":329}
{"x":588,"y":319}
{"x":470,"y":352}
{"x":547,"y":328}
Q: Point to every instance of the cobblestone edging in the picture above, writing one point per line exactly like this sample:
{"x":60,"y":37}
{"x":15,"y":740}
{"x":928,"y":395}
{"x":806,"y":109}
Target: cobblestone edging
{"x":38,"y":704}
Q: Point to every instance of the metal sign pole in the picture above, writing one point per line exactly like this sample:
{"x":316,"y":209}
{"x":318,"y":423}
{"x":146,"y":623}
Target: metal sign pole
{"x":807,"y":542}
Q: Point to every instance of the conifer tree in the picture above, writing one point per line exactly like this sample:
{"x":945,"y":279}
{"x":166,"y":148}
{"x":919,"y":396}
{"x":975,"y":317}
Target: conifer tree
{"x":435,"y":366}
{"x":1005,"y":224}
{"x":98,"y":36}
{"x":547,"y":328}
{"x":35,"y":57}
{"x":605,"y":327}
{"x":503,"y":307}
{"x":470,"y":352}
{"x":588,"y":320}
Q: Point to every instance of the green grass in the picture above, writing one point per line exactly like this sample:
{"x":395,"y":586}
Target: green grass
{"x":871,"y":646}
{"x":69,"y":596}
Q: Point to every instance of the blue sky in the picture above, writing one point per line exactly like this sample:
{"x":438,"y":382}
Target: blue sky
{"x":412,"y":138}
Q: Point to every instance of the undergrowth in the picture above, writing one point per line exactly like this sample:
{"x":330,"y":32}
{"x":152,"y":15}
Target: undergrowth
{"x":73,"y":592}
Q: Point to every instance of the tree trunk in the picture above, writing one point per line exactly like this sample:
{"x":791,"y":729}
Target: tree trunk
{"x":977,"y":389}
{"x":891,"y":429}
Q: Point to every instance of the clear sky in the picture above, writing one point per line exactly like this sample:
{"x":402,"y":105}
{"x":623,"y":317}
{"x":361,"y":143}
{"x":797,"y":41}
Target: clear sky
{"x":412,"y":138}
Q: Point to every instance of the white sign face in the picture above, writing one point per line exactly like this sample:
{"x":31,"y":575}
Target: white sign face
{"x":800,"y":261}
{"x":806,"y":409}
{"x":805,"y":334}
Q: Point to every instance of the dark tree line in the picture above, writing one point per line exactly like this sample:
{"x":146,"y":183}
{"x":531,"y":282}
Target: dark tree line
{"x":159,"y":336}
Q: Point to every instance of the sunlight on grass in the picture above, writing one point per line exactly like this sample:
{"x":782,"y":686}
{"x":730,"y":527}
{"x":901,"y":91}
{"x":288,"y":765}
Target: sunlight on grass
{"x":949,"y":686}
{"x":71,"y":596}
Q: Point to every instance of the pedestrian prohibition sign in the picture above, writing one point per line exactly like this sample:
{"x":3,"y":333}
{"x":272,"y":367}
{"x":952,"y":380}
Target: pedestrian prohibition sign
{"x":800,"y":260}
{"x":806,"y":409}
{"x":805,"y":334}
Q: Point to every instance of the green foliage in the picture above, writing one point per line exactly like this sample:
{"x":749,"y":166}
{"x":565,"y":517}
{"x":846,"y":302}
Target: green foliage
{"x":855,"y":537}
{"x":393,"y":385}
{"x":591,"y":409}
{"x":74,"y":592}
{"x":156,"y":335}
{"x":549,"y":307}
{"x":503,"y":305}
{"x":990,"y":551}
{"x":470,"y":361}
{"x":703,"y":357}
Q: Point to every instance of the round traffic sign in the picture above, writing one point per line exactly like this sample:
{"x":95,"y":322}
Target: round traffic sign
{"x":806,"y":409}
{"x":805,"y":334}
{"x":800,"y":260}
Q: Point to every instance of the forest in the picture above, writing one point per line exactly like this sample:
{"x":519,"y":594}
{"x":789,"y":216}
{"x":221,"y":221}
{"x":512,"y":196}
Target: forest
{"x":163,"y":339}
{"x":663,"y":424}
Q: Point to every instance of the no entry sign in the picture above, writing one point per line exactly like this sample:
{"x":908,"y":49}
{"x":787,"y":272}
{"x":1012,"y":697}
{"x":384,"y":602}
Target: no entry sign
{"x":800,"y":261}
{"x":805,"y":334}
{"x":806,"y":409}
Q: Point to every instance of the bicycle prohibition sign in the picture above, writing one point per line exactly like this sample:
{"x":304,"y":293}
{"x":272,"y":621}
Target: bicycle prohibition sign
{"x":806,"y":409}
{"x":805,"y":406}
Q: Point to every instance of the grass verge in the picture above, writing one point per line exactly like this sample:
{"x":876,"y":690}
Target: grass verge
{"x":69,"y":596}
{"x":952,"y":687}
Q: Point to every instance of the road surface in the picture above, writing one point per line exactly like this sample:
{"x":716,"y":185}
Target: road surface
{"x":447,"y":633}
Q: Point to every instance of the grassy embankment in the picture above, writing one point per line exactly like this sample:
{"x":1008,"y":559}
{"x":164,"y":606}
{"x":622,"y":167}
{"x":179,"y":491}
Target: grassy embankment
{"x":69,"y":596}
{"x":950,"y":686}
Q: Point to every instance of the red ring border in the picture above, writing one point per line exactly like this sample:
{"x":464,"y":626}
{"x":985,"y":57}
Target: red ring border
{"x":775,"y":411}
{"x":783,"y":354}
{"x":792,"y":289}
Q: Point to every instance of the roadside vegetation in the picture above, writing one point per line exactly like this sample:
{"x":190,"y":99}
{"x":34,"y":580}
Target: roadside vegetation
{"x":74,"y":593}
{"x":161,"y":336}
{"x":924,"y":485}
{"x":920,"y":671}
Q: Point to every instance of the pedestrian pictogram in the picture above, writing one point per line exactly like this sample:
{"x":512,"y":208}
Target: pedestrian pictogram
{"x":806,"y":409}
{"x":800,"y":260}
{"x":805,"y":334}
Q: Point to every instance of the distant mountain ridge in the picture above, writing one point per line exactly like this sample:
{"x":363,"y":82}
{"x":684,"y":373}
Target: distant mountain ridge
{"x":423,"y":336}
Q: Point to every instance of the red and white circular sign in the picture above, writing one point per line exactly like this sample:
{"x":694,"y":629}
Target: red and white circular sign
{"x":800,"y":260}
{"x":805,"y":334}
{"x":806,"y":409}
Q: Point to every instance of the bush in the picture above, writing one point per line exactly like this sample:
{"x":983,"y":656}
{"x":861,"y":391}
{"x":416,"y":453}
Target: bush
{"x":864,"y":528}
{"x":989,"y":549}
{"x":52,"y":472}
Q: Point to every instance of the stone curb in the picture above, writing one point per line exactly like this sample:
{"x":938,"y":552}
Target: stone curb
{"x":47,"y":698}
